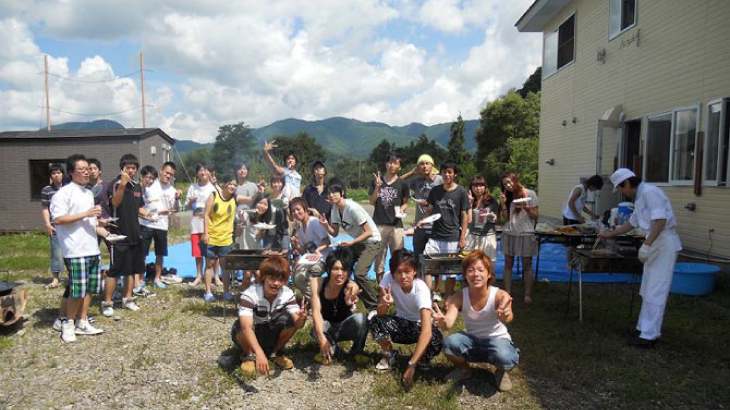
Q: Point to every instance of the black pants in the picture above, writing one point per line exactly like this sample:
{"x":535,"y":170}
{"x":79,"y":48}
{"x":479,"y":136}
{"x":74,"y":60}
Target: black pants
{"x":406,"y":332}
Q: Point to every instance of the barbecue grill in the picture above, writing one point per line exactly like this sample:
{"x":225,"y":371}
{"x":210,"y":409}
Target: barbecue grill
{"x":443,"y":264}
{"x":586,"y":261}
{"x":247,"y":259}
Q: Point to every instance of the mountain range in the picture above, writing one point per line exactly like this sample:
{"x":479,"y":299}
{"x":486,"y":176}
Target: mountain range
{"x":338,"y":135}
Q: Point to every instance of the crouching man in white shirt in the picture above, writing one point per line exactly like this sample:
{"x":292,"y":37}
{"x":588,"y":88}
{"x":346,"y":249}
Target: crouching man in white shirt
{"x":74,"y":215}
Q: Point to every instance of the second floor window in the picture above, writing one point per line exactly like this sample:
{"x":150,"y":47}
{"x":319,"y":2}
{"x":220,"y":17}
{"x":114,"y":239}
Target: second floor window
{"x":622,"y":15}
{"x":559,"y":47}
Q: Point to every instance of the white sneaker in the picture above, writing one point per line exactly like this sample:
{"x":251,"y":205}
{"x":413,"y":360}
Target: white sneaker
{"x":148,"y":293}
{"x":57,"y":325}
{"x":171,"y":279}
{"x":83,"y":327}
{"x":208,"y":297}
{"x":107,"y":309}
{"x":68,"y":334}
{"x":129,"y":304}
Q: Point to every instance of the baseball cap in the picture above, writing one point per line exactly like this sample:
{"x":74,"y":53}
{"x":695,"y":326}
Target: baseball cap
{"x":621,"y":175}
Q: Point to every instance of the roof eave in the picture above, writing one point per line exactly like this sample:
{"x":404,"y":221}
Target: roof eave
{"x":539,"y":14}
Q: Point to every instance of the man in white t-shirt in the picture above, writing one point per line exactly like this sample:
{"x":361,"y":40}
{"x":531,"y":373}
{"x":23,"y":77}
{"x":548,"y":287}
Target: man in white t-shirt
{"x":412,"y":321}
{"x":366,"y":238}
{"x":162,"y":199}
{"x":74,"y":216}
{"x":245,"y":194}
{"x":292,"y":178}
{"x":196,"y":198}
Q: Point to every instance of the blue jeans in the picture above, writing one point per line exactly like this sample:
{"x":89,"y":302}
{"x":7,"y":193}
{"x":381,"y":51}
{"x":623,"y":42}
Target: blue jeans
{"x":354,"y":328}
{"x":57,"y":263}
{"x":499,"y":352}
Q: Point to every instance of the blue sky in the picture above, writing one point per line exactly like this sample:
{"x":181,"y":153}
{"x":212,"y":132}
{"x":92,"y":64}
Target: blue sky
{"x":211,"y":64}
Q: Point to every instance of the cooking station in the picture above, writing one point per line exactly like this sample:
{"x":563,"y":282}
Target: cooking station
{"x":248,"y":259}
{"x":603,"y":261}
{"x":443,"y":264}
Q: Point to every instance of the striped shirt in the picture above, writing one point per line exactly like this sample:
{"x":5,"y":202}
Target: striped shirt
{"x":254,"y":304}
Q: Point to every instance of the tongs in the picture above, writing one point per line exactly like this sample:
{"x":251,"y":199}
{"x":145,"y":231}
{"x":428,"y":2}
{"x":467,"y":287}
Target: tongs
{"x":595,"y":244}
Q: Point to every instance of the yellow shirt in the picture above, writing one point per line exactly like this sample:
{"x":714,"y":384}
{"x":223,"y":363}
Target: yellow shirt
{"x":220,"y":228}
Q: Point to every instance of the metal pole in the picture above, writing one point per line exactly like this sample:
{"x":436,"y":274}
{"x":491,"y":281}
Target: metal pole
{"x":48,"y":104}
{"x":141,"y":73}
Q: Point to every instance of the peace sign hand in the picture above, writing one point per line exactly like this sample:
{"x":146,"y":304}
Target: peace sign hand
{"x":388,"y":296}
{"x":438,"y":317}
{"x":351,"y":297}
{"x":302,"y":316}
{"x":377,"y":181}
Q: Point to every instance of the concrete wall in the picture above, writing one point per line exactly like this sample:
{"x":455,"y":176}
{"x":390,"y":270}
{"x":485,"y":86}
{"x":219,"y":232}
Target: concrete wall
{"x":682,"y":58}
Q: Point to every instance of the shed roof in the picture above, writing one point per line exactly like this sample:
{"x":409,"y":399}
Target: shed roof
{"x":111,"y":133}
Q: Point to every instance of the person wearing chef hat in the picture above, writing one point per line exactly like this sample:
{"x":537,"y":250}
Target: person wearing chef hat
{"x":653,"y":214}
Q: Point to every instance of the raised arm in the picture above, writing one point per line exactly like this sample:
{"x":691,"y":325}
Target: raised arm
{"x":268,"y":146}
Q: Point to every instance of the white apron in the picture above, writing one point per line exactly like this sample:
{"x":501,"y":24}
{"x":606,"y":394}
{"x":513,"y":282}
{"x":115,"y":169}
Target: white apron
{"x":656,"y":281}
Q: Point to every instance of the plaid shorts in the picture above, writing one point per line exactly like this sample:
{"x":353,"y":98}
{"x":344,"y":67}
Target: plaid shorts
{"x":84,"y":275}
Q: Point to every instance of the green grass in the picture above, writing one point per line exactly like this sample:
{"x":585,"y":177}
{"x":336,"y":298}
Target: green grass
{"x":27,"y":251}
{"x":5,"y":343}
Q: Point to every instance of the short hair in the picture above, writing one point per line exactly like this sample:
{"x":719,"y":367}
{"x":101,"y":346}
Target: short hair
{"x":72,"y":160}
{"x":450,"y":165}
{"x":242,"y":164}
{"x":634,"y":181}
{"x":148,"y":170}
{"x":342,"y":254}
{"x":55,"y":167}
{"x":394,"y":157}
{"x":595,"y":181}
{"x":319,"y":164}
{"x":298,"y":201}
{"x":336,"y":185}
{"x":169,"y":164}
{"x":94,"y":161}
{"x":277,"y":178}
{"x":474,"y":257}
{"x":402,"y":256}
{"x":291,"y":154}
{"x":128,"y":159}
{"x":274,"y":267}
{"x":226,"y":178}
{"x":201,"y":165}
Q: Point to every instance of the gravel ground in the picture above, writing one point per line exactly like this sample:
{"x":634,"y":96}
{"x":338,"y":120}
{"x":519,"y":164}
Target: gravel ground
{"x":176,"y":353}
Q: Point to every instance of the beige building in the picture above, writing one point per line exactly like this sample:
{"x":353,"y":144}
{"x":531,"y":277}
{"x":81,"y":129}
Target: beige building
{"x":642,"y":84}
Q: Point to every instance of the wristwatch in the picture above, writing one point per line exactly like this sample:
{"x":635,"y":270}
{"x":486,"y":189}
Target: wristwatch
{"x":411,"y":364}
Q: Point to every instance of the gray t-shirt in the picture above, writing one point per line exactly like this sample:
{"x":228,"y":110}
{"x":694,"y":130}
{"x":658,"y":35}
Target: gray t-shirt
{"x":351,"y":219}
{"x":420,"y":188}
{"x":248,"y":189}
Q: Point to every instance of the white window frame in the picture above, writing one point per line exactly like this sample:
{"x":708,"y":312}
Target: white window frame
{"x":555,"y":32}
{"x":698,"y":108}
{"x":611,"y":36}
{"x":645,"y":147}
{"x":723,"y":113}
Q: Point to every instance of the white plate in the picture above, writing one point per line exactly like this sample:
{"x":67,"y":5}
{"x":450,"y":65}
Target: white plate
{"x":431,"y":219}
{"x":305,"y":261}
{"x":106,"y":220}
{"x":400,"y":215}
{"x":264,"y":226}
{"x":115,"y":238}
{"x":248,"y":211}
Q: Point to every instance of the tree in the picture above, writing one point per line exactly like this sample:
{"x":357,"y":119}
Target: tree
{"x":380,"y":153}
{"x":456,"y":152}
{"x":423,"y":145}
{"x":306,"y":149}
{"x":523,"y":156}
{"x":509,"y":116}
{"x":191,"y":159}
{"x":233,"y":145}
{"x":533,"y":84}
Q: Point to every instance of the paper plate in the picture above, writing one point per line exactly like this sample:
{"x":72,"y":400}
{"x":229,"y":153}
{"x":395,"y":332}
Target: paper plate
{"x":304,"y":261}
{"x":115,"y":238}
{"x":264,"y":226}
{"x":431,"y":219}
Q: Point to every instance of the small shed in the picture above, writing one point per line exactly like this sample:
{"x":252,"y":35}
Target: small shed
{"x":26,"y":155}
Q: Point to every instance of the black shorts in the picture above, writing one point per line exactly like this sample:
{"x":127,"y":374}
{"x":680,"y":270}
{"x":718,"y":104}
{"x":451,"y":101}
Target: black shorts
{"x":267,"y":334}
{"x":126,"y":259}
{"x":160,"y":238}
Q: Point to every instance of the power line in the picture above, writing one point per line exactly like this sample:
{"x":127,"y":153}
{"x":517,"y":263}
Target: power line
{"x":89,"y":81}
{"x":93,"y":115}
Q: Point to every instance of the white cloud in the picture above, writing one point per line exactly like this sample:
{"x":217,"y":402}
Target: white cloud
{"x":259,"y":62}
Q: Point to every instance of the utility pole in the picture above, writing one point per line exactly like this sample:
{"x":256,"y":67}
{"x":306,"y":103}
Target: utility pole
{"x":141,"y":73}
{"x":48,"y":104}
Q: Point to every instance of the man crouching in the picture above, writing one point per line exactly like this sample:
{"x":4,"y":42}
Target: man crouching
{"x":267,"y":318}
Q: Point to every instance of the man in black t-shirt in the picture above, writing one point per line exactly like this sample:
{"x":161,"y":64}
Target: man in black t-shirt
{"x":448,"y":234}
{"x":127,"y":258}
{"x":390,"y":196}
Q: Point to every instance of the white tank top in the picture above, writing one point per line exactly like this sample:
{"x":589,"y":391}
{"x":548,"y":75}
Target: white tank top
{"x":484,"y":323}
{"x":567,"y":212}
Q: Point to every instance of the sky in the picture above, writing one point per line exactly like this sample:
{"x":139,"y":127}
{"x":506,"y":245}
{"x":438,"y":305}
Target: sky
{"x":210,"y":63}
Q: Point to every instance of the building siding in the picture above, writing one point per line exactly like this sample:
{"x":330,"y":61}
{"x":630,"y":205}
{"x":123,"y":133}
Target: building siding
{"x":682,"y":59}
{"x":17,"y":211}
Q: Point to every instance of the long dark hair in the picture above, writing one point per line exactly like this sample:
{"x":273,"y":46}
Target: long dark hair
{"x":518,"y":189}
{"x":267,"y":215}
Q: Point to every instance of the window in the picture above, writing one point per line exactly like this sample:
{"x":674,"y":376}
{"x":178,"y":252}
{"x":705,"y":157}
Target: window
{"x":717,"y":141}
{"x":559,"y":47}
{"x":39,"y":177}
{"x":658,"y":135}
{"x":683,"y":144}
{"x":622,"y":16}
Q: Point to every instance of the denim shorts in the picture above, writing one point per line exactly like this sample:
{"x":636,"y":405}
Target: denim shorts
{"x":215,"y":252}
{"x":499,"y":352}
{"x":56,"y":254}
